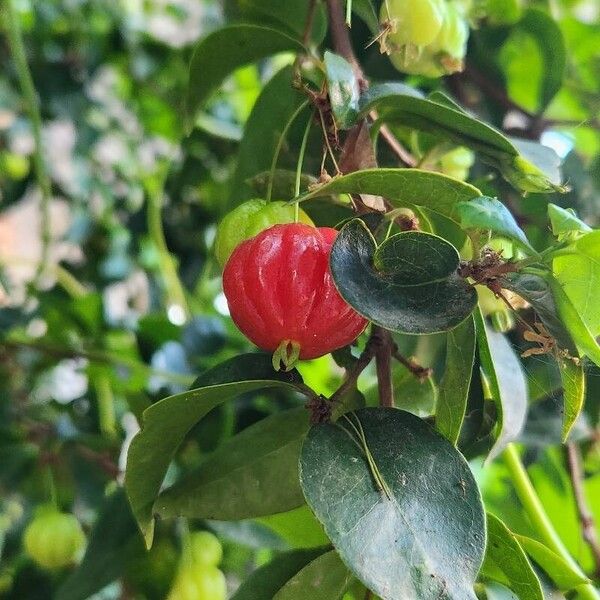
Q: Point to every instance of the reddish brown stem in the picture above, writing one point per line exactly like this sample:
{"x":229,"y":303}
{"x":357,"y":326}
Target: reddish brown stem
{"x":420,"y":372}
{"x":586,"y":519}
{"x":383,"y":364}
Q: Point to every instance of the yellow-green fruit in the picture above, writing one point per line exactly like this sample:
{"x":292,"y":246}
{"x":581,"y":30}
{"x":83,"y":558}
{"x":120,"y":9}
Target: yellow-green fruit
{"x":53,"y":539}
{"x":450,"y":46}
{"x":205,"y":548}
{"x":248,"y":220}
{"x":457,"y":163}
{"x":411,"y":22}
{"x":488,"y":302}
{"x":199,"y":583}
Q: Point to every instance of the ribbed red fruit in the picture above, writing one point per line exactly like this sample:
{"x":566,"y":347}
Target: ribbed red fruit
{"x":280,"y":290}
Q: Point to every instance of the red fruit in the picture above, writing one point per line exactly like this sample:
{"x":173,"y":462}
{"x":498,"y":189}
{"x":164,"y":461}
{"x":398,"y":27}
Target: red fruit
{"x":281,"y":293}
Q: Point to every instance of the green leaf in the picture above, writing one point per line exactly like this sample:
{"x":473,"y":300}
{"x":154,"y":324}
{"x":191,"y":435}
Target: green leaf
{"x":298,"y":527}
{"x":223,"y":51}
{"x":564,"y":222}
{"x":440,"y":119}
{"x":292,"y":16}
{"x":579,"y":274}
{"x":113,"y":539}
{"x":267,"y":580}
{"x":490,"y":213}
{"x":284,"y":183}
{"x":570,"y":316}
{"x":558,"y":569}
{"x":538,"y":292}
{"x":167,"y":422}
{"x":545,"y":30}
{"x":453,"y":391}
{"x":342,"y":87}
{"x":542,"y":157}
{"x":505,"y":381}
{"x":274,"y":107}
{"x":365,"y":10}
{"x":413,"y":309}
{"x":507,"y":563}
{"x":251,"y":475}
{"x":402,"y":187}
{"x":325,"y":578}
{"x":366,"y":478}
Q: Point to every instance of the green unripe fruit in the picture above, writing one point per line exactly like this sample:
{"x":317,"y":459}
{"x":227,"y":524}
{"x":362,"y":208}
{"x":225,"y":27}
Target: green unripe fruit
{"x":199,"y":583}
{"x":206,"y":550}
{"x":53,"y":539}
{"x":410,"y":23}
{"x":495,"y":308}
{"x":248,"y":220}
{"x":457,"y":163}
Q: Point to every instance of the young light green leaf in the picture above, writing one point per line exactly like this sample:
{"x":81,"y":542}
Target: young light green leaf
{"x":506,"y":562}
{"x":342,"y":87}
{"x":579,"y":274}
{"x":364,"y":478}
{"x":266,"y":581}
{"x":544,"y":158}
{"x":325,"y":578}
{"x":167,"y":422}
{"x":565,"y":222}
{"x":506,"y":383}
{"x":251,"y":475}
{"x":453,"y":391}
{"x":402,"y":187}
{"x":556,"y":567}
{"x":438,"y":305}
{"x":490,"y":213}
{"x":298,"y":527}
{"x":573,"y":321}
{"x":223,"y":51}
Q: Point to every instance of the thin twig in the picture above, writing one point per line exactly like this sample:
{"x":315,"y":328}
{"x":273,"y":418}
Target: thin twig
{"x":586,"y":519}
{"x":420,"y":372}
{"x":17,"y":49}
{"x":395,"y":146}
{"x":310,"y":18}
{"x":357,"y":368}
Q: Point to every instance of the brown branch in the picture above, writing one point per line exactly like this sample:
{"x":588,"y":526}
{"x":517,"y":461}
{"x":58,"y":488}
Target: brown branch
{"x":102,"y":459}
{"x":341,"y":39}
{"x":383,"y":364}
{"x":586,"y":519}
{"x":396,"y":147}
{"x":420,"y":372}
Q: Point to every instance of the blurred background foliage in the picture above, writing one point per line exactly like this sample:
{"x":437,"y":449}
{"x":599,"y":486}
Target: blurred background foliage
{"x":130,"y":309}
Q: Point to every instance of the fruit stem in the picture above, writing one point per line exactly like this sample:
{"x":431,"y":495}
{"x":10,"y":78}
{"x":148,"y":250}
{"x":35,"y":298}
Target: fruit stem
{"x":536,"y":512}
{"x":17,"y":50}
{"x":299,"y":166}
{"x":51,"y":485}
{"x":383,"y":365}
{"x":282,"y":138}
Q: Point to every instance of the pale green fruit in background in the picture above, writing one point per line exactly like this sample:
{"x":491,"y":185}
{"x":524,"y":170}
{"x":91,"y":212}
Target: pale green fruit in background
{"x":248,"y":220}
{"x":205,"y":549}
{"x":503,"y":12}
{"x":199,"y":583}
{"x":457,"y":163}
{"x":53,"y":539}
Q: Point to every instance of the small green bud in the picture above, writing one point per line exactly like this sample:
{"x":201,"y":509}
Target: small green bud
{"x":457,"y":163}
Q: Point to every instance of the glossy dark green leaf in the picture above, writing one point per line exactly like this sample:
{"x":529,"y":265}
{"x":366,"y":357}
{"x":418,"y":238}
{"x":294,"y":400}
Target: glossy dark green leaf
{"x":565,"y":222}
{"x":251,"y":475}
{"x":414,"y":258}
{"x":167,"y":422}
{"x":223,"y":51}
{"x":453,"y":390}
{"x":505,"y":381}
{"x":325,"y":578}
{"x":507,"y":563}
{"x":342,"y":87}
{"x":373,"y":509}
{"x":268,"y":579}
{"x":490,"y":213}
{"x":415,"y":309}
{"x":402,"y":187}
{"x":113,"y":539}
{"x":579,"y":274}
{"x":557,"y":568}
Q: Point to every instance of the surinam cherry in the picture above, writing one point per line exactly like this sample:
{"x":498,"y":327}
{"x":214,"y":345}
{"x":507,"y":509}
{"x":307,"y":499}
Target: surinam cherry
{"x":281,"y":294}
{"x":248,"y":220}
{"x":53,"y":539}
